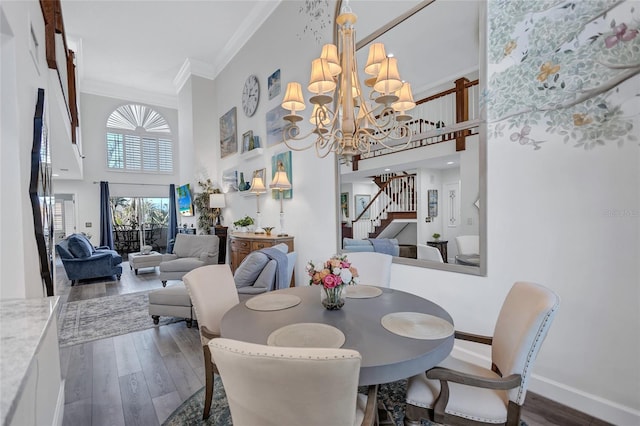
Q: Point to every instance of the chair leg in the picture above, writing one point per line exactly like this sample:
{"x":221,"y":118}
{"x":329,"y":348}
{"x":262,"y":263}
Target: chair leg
{"x":208,"y":371}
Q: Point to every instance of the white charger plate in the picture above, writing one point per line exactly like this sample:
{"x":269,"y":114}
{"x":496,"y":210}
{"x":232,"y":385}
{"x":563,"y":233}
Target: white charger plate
{"x":307,"y":335}
{"x":417,"y":325}
{"x":362,"y":291}
{"x":272,"y":302}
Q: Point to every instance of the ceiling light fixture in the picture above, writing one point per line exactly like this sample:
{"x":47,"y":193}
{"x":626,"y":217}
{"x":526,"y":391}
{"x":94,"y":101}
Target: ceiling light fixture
{"x":356,"y":122}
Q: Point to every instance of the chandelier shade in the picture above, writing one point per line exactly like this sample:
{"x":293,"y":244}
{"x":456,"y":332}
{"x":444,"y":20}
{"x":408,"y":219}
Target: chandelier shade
{"x":346,"y":120}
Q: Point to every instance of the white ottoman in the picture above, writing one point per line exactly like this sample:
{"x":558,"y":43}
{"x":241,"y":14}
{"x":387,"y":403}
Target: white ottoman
{"x":139,"y":260}
{"x":173,"y":301}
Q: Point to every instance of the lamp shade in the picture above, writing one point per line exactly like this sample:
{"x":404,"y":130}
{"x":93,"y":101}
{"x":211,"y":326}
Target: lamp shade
{"x":330,"y":53}
{"x":388,"y":80}
{"x":280,"y":180}
{"x":257,"y":185}
{"x":216,"y":201}
{"x":321,"y":80}
{"x":293,"y":99}
{"x":318,"y":118}
{"x":405,"y":98}
{"x":376,"y":56}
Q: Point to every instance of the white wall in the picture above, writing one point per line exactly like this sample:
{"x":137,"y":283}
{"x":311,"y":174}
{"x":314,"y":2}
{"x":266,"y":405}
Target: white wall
{"x":95,"y":110}
{"x":19,"y":264}
{"x":311,"y":214}
{"x":566,"y":218}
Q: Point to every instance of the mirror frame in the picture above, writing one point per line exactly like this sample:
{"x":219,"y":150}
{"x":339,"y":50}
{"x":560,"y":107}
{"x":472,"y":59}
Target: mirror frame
{"x":482,"y":143}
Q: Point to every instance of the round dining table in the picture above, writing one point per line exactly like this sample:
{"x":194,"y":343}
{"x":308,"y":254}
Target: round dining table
{"x":386,"y":356}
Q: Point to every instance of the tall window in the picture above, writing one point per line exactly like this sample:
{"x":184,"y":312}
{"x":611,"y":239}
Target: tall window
{"x":139,"y":140}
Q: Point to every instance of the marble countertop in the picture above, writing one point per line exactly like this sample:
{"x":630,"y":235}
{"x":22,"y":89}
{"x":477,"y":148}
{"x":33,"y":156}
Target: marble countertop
{"x":23,"y":323}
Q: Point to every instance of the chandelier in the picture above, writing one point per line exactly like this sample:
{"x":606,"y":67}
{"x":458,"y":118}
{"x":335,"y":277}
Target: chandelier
{"x":351,"y":123}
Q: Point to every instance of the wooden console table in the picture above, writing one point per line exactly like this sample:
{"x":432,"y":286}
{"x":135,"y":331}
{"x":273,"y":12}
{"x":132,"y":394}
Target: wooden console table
{"x":442,"y":246}
{"x":243,"y":243}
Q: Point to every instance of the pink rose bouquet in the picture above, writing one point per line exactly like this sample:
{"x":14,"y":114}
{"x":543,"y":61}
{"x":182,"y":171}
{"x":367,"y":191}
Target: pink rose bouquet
{"x":335,"y":272}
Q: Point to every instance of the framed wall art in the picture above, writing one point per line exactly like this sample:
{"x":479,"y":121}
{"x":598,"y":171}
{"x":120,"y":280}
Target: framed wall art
{"x":344,"y":205}
{"x":229,"y":181}
{"x":273,"y":84}
{"x":362,"y":201}
{"x":228,"y":133}
{"x":247,"y":141}
{"x":432,"y":203}
{"x":276,"y":125}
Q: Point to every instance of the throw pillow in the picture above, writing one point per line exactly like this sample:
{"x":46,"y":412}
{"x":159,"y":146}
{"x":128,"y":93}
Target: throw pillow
{"x":250,"y":268}
{"x":79,"y":247}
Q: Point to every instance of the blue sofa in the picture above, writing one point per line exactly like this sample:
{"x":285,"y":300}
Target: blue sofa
{"x":380,"y":245}
{"x":81,"y":260}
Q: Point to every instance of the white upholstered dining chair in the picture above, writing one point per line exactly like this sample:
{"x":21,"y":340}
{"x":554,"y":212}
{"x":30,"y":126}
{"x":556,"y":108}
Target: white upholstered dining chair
{"x":426,"y":252}
{"x":468,"y":244}
{"x":373,"y":268}
{"x":271,"y":385}
{"x":457,"y":392}
{"x":213,"y":293}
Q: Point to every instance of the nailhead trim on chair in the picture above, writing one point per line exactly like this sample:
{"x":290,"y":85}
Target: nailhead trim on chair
{"x":318,"y":357}
{"x":532,"y":352}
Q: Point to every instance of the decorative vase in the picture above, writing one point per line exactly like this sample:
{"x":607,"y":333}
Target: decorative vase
{"x":332,"y":298}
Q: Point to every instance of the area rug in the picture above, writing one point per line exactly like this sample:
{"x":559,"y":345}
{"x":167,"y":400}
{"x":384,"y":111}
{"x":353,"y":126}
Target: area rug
{"x":390,"y":395}
{"x":92,"y":319}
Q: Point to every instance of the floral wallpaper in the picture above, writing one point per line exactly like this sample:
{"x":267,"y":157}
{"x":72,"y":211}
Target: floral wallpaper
{"x":556,"y":68}
{"x":317,"y":17}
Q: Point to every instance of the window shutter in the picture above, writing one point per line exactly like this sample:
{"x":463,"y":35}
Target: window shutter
{"x":132,"y":152}
{"x":149,"y":154}
{"x":165,"y":154}
{"x":115,"y":154}
{"x":135,"y":147}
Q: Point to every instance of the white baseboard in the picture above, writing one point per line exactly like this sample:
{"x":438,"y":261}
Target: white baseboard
{"x":59,"y":413}
{"x":587,"y":403}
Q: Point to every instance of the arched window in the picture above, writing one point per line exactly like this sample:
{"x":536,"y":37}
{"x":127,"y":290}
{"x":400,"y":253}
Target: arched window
{"x":139,"y":140}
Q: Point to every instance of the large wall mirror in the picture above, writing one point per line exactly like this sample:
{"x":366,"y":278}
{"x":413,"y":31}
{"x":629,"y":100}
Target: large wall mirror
{"x":431,"y":197}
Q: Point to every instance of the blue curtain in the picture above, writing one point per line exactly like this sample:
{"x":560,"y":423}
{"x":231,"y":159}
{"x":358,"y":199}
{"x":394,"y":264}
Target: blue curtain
{"x":106,"y":229}
{"x":173,"y":219}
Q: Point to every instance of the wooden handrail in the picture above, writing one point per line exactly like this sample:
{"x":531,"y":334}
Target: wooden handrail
{"x":54,"y":24}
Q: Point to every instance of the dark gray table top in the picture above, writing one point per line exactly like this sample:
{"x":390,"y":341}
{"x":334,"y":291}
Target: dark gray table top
{"x":386,"y":356}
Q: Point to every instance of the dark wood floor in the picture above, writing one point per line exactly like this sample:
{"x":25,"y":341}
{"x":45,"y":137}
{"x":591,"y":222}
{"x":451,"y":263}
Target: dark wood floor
{"x":140,"y":378}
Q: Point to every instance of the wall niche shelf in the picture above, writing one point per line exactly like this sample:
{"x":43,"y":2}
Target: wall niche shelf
{"x":253,"y":153}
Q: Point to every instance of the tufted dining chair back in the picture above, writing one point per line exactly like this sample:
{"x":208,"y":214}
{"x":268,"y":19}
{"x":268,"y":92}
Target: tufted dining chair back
{"x":468,"y":244}
{"x":315,"y":386}
{"x":373,"y":268}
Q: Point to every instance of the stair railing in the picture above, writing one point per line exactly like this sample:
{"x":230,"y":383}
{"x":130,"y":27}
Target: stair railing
{"x":397,"y":194}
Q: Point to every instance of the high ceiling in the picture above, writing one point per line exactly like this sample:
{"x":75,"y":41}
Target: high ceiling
{"x":140,"y":46}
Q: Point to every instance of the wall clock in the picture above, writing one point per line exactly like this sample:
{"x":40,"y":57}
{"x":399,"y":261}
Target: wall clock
{"x":250,"y":95}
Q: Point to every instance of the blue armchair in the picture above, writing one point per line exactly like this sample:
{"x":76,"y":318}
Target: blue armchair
{"x":81,"y":260}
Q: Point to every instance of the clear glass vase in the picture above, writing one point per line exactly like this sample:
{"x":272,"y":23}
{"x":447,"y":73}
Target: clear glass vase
{"x":332,"y":298}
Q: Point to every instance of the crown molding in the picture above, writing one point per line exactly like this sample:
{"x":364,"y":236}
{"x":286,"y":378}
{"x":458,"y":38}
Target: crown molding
{"x":258,"y":15}
{"x":193,"y":67}
{"x":111,"y":90}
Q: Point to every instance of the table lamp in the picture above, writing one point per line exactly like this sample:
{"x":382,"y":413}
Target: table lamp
{"x":257,"y":187}
{"x":281,"y":183}
{"x":216,"y":202}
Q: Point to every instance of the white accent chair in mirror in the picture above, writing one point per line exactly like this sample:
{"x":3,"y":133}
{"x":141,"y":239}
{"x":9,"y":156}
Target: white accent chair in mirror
{"x":468,"y":244}
{"x":212,"y":292}
{"x":459,"y":392}
{"x":273,"y":386}
{"x":373,"y":268}
{"x":426,"y":252}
